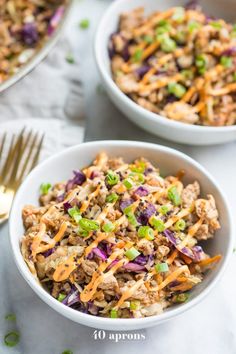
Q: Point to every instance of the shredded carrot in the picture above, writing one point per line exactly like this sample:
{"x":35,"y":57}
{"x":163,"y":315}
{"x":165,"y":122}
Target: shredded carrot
{"x":173,"y":276}
{"x":172,"y":257}
{"x":208,"y":261}
{"x":58,"y":237}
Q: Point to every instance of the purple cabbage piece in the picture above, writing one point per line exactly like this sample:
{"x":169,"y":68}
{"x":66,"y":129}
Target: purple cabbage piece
{"x":146,"y":214}
{"x":72,"y":298}
{"x":198,"y":253}
{"x":148,"y":170}
{"x":230,"y":52}
{"x":171,"y":98}
{"x":60,"y":197}
{"x":174,"y":283}
{"x":106,"y":247}
{"x":48,"y":252}
{"x":67,"y":206}
{"x":55,"y":20}
{"x":93,"y":309}
{"x":187,"y":252}
{"x":125,"y":52}
{"x":112,"y":264}
{"x":142,"y":71}
{"x":171,"y":237}
{"x":78,"y":179}
{"x":150,"y":261}
{"x":125,"y":203}
{"x":94,"y":174}
{"x":141,"y":191}
{"x":90,"y":256}
{"x":134,"y":267}
{"x":100,"y":253}
{"x":141,"y":260}
{"x":30,"y":34}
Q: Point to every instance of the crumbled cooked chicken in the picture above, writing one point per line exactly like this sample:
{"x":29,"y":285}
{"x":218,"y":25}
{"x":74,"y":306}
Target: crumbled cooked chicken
{"x":146,"y":247}
{"x":190,"y":193}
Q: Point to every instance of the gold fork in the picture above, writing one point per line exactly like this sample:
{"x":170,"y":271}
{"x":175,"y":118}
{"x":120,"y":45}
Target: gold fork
{"x":22,"y":156}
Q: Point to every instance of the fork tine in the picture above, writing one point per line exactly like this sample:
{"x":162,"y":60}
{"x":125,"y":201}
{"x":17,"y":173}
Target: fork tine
{"x":8,"y":160}
{"x":27,"y":165}
{"x":14,"y":151}
{"x":2,"y":144}
{"x":22,"y":148}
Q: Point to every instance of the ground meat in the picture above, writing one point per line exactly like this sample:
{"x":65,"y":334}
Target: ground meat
{"x":182,"y":112}
{"x":146,"y":247}
{"x":109,"y":282}
{"x":127,"y":83}
{"x":89,"y":266}
{"x":140,"y":293}
{"x":207,"y":210}
{"x":190,"y":194}
{"x":203,"y":233}
{"x":56,"y":289}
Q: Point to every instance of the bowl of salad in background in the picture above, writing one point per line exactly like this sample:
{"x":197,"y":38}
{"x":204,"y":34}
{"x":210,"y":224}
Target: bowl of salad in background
{"x":68,"y":302}
{"x":28,"y":32}
{"x":171,"y":68}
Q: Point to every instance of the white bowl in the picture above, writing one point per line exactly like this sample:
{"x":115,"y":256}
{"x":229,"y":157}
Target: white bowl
{"x":154,"y":123}
{"x":60,"y":166}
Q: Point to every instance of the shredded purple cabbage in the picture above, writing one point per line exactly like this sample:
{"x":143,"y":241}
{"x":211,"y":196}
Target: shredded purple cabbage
{"x":60,"y":197}
{"x":141,"y":260}
{"x":125,"y":203}
{"x":78,"y":179}
{"x":55,"y":20}
{"x":142,"y":71}
{"x":230,"y":52}
{"x":146,"y":214}
{"x":141,"y":191}
{"x":48,"y":252}
{"x":93,"y":309}
{"x":170,"y":235}
{"x":72,"y":298}
{"x":30,"y":34}
{"x":99,"y":253}
{"x":67,"y":206}
{"x":134,"y":267}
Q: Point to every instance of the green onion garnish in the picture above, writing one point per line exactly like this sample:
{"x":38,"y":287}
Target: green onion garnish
{"x":163,"y":209}
{"x":67,"y":351}
{"x":157,"y":224}
{"x":82,"y":233}
{"x":70,"y":59}
{"x":179,"y":14}
{"x":163,"y":27}
{"x":44,"y":188}
{"x":148,"y":39}
{"x":180,"y":225}
{"x":216,"y":25}
{"x":88,"y":225}
{"x":188,"y":74}
{"x":128,"y":210}
{"x":161,"y":267}
{"x":108,"y":227}
{"x":134,"y":305}
{"x":75,"y":214}
{"x":234,"y":76}
{"x":137,"y":56}
{"x":226,"y":61}
{"x":112,"y":198}
{"x":137,"y":177}
{"x":114,"y":313}
{"x":167,"y":44}
{"x":61,"y":297}
{"x":174,"y":196}
{"x":12,"y":339}
{"x":147,"y":232}
{"x":139,"y":167}
{"x":84,"y":24}
{"x":132,"y":219}
{"x":176,"y":89}
{"x":182,"y":297}
{"x":128,"y":183}
{"x":10,"y":317}
{"x":112,"y":178}
{"x":193,"y":25}
{"x":132,"y":253}
{"x":201,"y":63}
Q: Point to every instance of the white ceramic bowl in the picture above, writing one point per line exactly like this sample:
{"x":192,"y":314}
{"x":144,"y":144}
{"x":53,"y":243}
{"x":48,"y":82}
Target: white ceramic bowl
{"x":154,"y":123}
{"x":60,"y":166}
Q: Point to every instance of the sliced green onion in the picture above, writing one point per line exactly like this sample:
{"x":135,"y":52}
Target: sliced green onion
{"x":114,"y":313}
{"x":132,"y":219}
{"x":193,"y":25}
{"x":44,"y":188}
{"x":75,"y":214}
{"x":167,"y":44}
{"x":161,"y":267}
{"x":12,"y":339}
{"x":67,"y":351}
{"x":10,"y":317}
{"x":132,"y":253}
{"x":176,"y":89}
{"x":128,"y":183}
{"x":157,"y":224}
{"x":84,"y":24}
{"x":179,"y":14}
{"x":112,"y":198}
{"x":148,"y":39}
{"x":147,"y":232}
{"x":180,"y":225}
{"x":128,"y":210}
{"x":226,"y":61}
{"x":108,"y":227}
{"x":137,"y":56}
{"x":174,"y":196}
{"x":134,"y":305}
{"x":112,"y":178}
{"x":234,"y":76}
{"x":137,"y":177}
{"x":163,"y":209}
{"x":88,"y":225}
{"x":188,"y":74}
{"x":61,"y":297}
{"x":182,"y":297}
{"x":180,"y":37}
{"x":216,"y":24}
{"x":82,"y":233}
{"x":201,"y":63}
{"x":163,"y":27}
{"x":70,"y":59}
{"x":139,"y":167}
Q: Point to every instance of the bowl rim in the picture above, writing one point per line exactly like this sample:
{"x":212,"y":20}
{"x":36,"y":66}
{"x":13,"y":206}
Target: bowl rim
{"x":39,"y":56}
{"x":100,"y":322}
{"x":153,"y":117}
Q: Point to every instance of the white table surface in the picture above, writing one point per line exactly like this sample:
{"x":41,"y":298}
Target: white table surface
{"x":209,"y":328}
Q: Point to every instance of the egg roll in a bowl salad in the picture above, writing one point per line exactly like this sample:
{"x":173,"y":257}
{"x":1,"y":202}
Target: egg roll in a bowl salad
{"x":179,"y":63}
{"x":120,"y":240}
